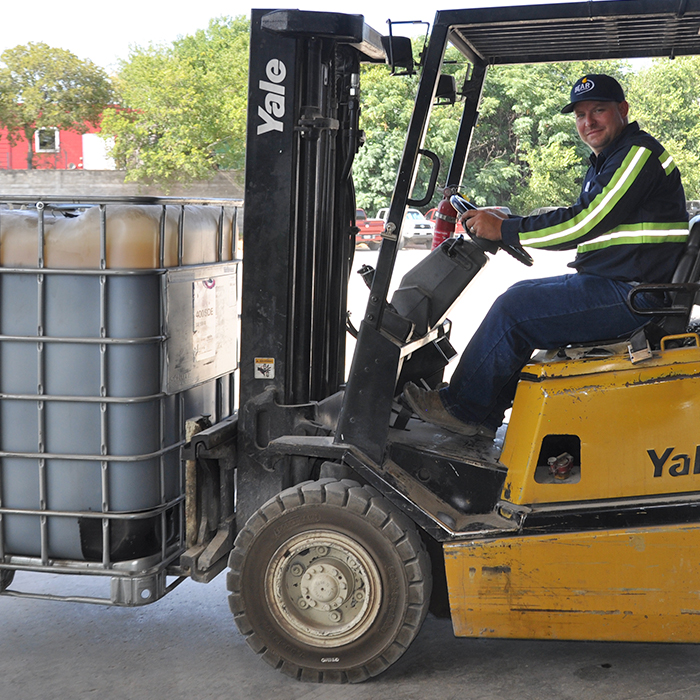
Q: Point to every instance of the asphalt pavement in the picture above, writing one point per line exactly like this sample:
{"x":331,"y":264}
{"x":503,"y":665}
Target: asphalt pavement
{"x":499,"y":273}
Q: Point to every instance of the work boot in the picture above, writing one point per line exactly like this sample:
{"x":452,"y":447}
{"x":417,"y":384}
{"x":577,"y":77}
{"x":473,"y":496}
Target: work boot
{"x":428,"y":406}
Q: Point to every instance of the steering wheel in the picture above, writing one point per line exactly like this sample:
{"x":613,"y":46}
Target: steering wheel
{"x":517,"y":251}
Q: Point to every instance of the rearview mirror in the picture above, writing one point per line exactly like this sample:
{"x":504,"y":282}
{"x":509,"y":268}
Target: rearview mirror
{"x":446,"y":93}
{"x":399,"y":52}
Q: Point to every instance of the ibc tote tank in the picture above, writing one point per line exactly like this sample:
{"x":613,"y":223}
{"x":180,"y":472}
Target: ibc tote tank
{"x":118,"y":322}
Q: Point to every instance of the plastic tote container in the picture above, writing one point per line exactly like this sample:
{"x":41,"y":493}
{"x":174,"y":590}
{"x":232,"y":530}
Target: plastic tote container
{"x":118,"y":322}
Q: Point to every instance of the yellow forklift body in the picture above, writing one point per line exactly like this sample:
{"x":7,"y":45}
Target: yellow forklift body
{"x":623,"y":585}
{"x":636,"y":425}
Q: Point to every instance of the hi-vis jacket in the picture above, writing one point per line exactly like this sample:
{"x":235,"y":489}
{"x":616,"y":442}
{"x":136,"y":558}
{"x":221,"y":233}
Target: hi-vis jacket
{"x":629,"y":222}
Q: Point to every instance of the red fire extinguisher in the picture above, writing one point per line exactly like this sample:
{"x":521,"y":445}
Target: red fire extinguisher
{"x":445,"y":218}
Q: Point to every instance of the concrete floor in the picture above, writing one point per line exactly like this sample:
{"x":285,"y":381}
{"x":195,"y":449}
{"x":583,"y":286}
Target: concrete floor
{"x":187,"y":646}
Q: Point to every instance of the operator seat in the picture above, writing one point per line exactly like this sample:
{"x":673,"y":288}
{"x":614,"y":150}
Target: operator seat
{"x":682,"y":290}
{"x":669,"y":320}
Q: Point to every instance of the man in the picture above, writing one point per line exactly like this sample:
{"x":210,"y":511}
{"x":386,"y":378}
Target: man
{"x":629,"y":226}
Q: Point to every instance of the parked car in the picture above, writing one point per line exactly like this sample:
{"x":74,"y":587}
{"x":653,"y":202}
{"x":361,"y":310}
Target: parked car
{"x":415,"y":229}
{"x":370,"y":233}
{"x":370,"y":230}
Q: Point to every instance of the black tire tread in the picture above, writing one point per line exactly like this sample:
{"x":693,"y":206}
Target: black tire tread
{"x":364,"y":501}
{"x":6,"y":578}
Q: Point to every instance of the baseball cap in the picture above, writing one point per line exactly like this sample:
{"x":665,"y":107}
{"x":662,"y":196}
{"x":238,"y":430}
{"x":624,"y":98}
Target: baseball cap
{"x":595,"y":86}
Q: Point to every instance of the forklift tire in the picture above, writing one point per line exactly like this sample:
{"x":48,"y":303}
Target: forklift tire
{"x":6,"y":576}
{"x":329,"y":582}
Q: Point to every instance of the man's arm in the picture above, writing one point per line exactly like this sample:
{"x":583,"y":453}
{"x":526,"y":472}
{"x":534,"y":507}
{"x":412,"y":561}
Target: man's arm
{"x":623,"y":186}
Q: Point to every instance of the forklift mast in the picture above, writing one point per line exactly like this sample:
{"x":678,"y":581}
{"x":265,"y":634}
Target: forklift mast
{"x":299,"y":225}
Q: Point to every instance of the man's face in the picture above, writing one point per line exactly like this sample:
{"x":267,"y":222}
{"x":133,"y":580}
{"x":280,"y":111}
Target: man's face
{"x":600,"y":123}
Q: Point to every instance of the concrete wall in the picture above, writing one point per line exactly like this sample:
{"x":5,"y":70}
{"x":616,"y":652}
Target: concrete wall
{"x":228,"y":184}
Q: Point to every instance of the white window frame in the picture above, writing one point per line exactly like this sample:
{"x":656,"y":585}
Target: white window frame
{"x":57,"y":141}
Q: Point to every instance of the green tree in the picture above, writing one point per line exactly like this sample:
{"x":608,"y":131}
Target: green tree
{"x":386,"y":102}
{"x":665,"y":98}
{"x":45,"y":87}
{"x":183,"y":107}
{"x":524,"y":153}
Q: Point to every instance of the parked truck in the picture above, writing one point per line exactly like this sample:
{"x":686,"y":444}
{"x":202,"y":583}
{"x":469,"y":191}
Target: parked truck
{"x":369,"y":232}
{"x":351,"y":518}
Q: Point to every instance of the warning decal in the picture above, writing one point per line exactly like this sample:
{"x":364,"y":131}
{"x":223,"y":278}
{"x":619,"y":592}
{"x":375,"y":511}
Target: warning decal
{"x":264,"y":368}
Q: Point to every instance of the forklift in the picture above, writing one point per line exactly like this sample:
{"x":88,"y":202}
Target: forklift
{"x":579,"y":522}
{"x":343,"y":519}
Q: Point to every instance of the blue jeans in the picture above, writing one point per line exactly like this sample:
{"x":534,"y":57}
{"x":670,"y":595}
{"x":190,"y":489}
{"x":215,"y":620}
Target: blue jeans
{"x":542,"y":314}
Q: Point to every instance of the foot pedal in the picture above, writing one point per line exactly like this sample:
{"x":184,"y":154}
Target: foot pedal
{"x":402,"y":417}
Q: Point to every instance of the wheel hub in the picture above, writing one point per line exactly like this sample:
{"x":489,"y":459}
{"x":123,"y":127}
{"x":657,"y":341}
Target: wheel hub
{"x":324,"y":588}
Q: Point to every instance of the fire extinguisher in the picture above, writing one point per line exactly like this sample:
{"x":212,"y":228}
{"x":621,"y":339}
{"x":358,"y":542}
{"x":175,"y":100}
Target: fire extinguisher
{"x":445,"y":217}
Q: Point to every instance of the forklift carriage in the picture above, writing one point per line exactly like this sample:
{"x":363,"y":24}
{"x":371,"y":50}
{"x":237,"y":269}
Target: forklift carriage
{"x":580,"y":521}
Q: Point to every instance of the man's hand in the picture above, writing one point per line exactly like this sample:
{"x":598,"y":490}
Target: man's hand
{"x":484,"y":223}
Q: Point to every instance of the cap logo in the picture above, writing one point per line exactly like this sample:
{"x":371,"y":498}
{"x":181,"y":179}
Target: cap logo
{"x":584,"y":86}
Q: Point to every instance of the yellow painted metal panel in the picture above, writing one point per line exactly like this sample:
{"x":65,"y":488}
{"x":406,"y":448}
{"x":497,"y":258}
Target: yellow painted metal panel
{"x":637,"y":426}
{"x":672,"y":361}
{"x":625,"y":585}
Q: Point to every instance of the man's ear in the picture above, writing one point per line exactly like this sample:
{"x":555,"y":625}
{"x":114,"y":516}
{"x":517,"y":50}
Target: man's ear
{"x":624,"y":108}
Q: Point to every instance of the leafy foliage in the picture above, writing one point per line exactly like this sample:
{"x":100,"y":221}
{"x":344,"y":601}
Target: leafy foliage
{"x":665,"y":99}
{"x":45,"y":87}
{"x":182,"y":116}
{"x":183,"y":107}
{"x":386,"y":112}
{"x":524,"y":153}
{"x":385,"y":118}
{"x":548,"y":155}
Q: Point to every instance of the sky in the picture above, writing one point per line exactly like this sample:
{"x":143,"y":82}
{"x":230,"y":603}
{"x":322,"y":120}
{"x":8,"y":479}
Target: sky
{"x":103,"y":32}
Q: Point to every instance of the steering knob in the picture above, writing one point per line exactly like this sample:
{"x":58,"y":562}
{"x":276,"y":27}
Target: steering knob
{"x":517,"y":251}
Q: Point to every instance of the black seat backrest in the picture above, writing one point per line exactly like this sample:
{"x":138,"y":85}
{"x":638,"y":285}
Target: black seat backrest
{"x":688,"y":267}
{"x":687,"y":271}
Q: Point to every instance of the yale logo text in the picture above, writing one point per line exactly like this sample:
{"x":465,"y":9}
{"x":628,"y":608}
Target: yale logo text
{"x":273,"y":107}
{"x":678,"y":464}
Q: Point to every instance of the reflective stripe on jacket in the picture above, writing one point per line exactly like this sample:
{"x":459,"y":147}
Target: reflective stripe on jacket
{"x":629,"y":222}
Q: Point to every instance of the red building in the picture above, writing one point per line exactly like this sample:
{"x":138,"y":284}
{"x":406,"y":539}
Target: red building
{"x":57,"y":150}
